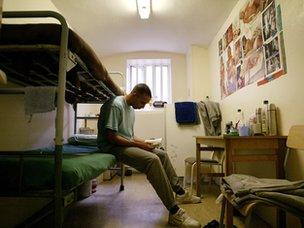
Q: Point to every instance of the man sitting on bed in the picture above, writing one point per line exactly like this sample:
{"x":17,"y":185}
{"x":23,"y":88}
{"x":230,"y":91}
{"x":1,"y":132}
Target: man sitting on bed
{"x":116,"y":136}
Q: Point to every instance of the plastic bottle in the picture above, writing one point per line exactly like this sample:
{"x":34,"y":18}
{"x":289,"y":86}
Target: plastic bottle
{"x":265,"y":118}
{"x":258,"y":113}
{"x":239,"y":119}
{"x":252,"y":122}
{"x":272,"y":120}
{"x":243,"y":128}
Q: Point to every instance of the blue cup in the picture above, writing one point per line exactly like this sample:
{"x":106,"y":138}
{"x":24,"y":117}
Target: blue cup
{"x":244,"y":131}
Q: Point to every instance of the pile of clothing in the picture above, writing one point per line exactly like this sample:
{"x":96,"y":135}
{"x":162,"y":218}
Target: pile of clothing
{"x":285,"y":194}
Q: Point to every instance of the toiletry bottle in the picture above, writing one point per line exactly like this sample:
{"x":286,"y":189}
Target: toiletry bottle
{"x":252,"y":121}
{"x":258,"y":114}
{"x":243,"y":127}
{"x":239,"y":119}
{"x":272,"y":120}
{"x":265,"y":118}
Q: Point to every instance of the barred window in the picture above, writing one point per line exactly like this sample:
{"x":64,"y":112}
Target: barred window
{"x":156,"y":73}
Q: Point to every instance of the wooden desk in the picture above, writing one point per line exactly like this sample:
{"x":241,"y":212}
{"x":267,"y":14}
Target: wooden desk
{"x":276,"y":144}
{"x":231,"y":144}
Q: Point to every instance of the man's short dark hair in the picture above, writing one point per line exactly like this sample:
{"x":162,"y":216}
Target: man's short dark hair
{"x":142,"y":89}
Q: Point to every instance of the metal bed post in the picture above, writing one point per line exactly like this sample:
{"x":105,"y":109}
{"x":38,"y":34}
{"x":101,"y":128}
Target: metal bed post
{"x":122,"y":166}
{"x":60,"y":101}
{"x":123,"y":78}
{"x":75,"y":117}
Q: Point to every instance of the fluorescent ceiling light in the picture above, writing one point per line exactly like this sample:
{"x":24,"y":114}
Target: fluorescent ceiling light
{"x":144,"y":8}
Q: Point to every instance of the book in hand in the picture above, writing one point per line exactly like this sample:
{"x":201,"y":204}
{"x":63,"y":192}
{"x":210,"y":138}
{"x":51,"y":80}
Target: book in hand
{"x":155,"y":142}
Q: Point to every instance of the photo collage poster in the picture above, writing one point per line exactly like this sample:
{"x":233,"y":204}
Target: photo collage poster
{"x":252,"y":48}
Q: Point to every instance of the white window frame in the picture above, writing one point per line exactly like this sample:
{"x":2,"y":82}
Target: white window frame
{"x":143,"y":64}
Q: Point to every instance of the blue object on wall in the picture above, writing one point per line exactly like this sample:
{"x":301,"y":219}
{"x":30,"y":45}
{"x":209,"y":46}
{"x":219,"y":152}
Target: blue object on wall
{"x":186,"y":112}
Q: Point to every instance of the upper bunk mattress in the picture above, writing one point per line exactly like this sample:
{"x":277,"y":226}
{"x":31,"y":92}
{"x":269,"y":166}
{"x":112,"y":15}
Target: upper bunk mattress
{"x":26,"y":66}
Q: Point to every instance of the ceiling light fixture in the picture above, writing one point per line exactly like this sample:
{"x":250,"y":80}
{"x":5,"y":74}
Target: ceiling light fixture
{"x":144,"y":8}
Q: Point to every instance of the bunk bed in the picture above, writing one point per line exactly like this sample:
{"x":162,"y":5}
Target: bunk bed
{"x":51,"y":55}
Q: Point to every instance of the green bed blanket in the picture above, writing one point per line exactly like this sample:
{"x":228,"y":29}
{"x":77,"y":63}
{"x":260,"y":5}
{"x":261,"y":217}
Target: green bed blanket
{"x":79,"y":164}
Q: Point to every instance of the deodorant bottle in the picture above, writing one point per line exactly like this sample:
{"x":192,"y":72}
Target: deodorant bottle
{"x":272,"y":113}
{"x":265,"y":118}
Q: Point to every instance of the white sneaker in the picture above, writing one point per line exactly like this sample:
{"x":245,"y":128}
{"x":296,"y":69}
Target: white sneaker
{"x":181,"y":219}
{"x":187,"y":198}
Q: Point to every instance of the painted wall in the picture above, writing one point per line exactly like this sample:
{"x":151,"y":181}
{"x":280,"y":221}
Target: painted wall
{"x":150,"y":124}
{"x":198,"y":76}
{"x":286,"y":92}
{"x":180,"y":141}
{"x":87,"y":110}
{"x":178,"y":68}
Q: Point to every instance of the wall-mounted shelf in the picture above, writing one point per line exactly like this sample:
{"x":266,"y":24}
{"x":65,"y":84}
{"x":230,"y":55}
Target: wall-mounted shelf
{"x":85,"y":118}
{"x":82,"y":117}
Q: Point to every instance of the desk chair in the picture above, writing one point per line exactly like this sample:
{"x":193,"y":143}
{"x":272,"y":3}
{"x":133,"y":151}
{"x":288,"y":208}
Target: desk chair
{"x":295,"y":141}
{"x":216,"y":159}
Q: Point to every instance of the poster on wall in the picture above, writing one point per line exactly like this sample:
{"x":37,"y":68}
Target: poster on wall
{"x":274,"y":50}
{"x":252,"y":48}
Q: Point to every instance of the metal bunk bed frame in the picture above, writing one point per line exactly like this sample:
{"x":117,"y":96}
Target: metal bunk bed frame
{"x":58,"y":196}
{"x":121,"y":167}
{"x":60,"y":200}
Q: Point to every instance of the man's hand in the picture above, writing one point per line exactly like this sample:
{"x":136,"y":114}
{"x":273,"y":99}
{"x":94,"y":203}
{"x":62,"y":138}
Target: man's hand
{"x":119,"y":140}
{"x":145,"y":146}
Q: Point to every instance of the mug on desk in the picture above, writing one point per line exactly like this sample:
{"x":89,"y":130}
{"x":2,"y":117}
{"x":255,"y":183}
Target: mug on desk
{"x":244,"y":130}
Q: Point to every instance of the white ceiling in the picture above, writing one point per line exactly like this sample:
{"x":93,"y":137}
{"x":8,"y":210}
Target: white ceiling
{"x":113,"y":26}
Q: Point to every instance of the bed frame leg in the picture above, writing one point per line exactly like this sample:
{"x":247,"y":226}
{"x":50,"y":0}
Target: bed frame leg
{"x":223,"y":209}
{"x":38,"y":216}
{"x":248,"y":220}
{"x":122,"y":169}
